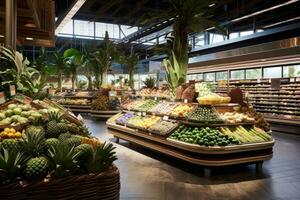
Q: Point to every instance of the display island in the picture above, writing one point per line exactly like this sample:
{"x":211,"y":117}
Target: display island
{"x":208,"y":135}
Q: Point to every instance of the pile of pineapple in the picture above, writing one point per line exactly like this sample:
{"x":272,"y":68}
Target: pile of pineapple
{"x":52,"y":147}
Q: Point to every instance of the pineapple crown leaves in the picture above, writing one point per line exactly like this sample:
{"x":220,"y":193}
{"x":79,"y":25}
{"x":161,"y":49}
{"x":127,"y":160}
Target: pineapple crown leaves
{"x":63,"y":159}
{"x":11,"y":163}
{"x":56,"y":116}
{"x":34,"y":143}
{"x":101,"y":158}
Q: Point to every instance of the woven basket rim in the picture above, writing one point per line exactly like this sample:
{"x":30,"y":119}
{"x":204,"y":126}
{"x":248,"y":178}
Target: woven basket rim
{"x":113,"y":171}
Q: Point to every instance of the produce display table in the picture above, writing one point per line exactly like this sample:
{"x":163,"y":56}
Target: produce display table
{"x":205,"y":135}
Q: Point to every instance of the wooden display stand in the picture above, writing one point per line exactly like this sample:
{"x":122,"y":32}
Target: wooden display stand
{"x":254,"y":153}
{"x":79,"y":108}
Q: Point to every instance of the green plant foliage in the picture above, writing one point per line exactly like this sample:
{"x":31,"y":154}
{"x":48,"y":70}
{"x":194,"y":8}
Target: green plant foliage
{"x":100,"y":158}
{"x":149,"y":82}
{"x":130,"y":62}
{"x":11,"y":163}
{"x":175,"y":74}
{"x":104,"y":57}
{"x":63,"y":159}
{"x":27,"y":79}
{"x":73,"y":60}
{"x":33,"y":143}
{"x":60,"y":66}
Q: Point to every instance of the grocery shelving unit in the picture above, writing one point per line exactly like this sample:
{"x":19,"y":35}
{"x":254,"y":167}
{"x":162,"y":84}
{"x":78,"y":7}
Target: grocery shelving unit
{"x":280,"y":106}
{"x":207,"y":156}
{"x":78,"y":108}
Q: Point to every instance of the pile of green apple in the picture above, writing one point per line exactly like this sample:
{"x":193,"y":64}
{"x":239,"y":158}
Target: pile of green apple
{"x":17,"y":114}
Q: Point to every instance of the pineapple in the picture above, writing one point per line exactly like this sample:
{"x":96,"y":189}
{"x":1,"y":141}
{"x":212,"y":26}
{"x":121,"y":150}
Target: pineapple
{"x":75,"y":140}
{"x":63,"y":160}
{"x":36,"y":127}
{"x":51,"y":142}
{"x":10,"y":164}
{"x":11,"y":144}
{"x":84,"y":150}
{"x":36,"y":168}
{"x":53,"y":130}
{"x":101,"y":158}
{"x":92,"y":141}
{"x":33,"y":143}
{"x":64,"y":136}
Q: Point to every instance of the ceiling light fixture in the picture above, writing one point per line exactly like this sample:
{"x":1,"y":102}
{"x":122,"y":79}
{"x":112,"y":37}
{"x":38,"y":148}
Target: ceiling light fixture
{"x":211,"y":5}
{"x":1,"y":36}
{"x":281,"y":22}
{"x":29,"y":38}
{"x":69,"y":15}
{"x":30,"y":25}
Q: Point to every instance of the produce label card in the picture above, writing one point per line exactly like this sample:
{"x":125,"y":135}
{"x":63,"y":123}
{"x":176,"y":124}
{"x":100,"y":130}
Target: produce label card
{"x":2,"y":98}
{"x":12,"y":89}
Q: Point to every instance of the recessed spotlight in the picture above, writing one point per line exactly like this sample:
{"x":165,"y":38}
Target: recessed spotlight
{"x":211,"y":5}
{"x":28,"y":38}
{"x":1,"y":36}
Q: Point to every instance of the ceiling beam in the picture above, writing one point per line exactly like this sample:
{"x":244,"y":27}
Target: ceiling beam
{"x":106,"y":7}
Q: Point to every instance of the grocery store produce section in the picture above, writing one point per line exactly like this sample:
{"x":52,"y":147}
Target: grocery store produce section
{"x":211,"y":135}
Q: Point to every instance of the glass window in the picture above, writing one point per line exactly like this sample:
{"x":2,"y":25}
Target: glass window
{"x":199,"y":40}
{"x":127,"y":30}
{"x":221,"y":75}
{"x":253,"y":73}
{"x":237,"y":74}
{"x":199,"y":77}
{"x":210,"y":76}
{"x":215,"y":38}
{"x":244,"y":33}
{"x":100,"y":29}
{"x":233,"y":35}
{"x":291,"y":71}
{"x":272,"y":72}
{"x":68,"y":28}
{"x":83,"y":28}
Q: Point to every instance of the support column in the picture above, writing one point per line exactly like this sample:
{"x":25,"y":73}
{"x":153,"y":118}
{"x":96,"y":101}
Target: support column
{"x":11,"y":23}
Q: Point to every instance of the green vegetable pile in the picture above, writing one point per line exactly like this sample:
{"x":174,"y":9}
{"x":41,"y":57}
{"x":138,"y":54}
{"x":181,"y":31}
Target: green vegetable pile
{"x":204,"y":114}
{"x":17,"y":114}
{"x":147,"y":105}
{"x":203,"y":136}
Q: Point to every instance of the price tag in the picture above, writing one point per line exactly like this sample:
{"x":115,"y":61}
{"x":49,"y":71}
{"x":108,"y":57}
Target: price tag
{"x":2,"y":98}
{"x":297,"y":79}
{"x":155,"y":98}
{"x":143,"y":98}
{"x":185,"y":100}
{"x":12,"y":89}
{"x":165,"y":117}
{"x":143,"y":113}
{"x":51,"y":91}
{"x":139,"y":113}
{"x":258,"y":80}
{"x":112,"y":93}
{"x":292,"y":80}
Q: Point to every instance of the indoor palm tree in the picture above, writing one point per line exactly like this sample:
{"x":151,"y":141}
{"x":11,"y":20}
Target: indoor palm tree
{"x":104,"y":57}
{"x":88,"y":66}
{"x":73,"y":60}
{"x":60,"y":67}
{"x":130,"y":62}
{"x":189,"y":16}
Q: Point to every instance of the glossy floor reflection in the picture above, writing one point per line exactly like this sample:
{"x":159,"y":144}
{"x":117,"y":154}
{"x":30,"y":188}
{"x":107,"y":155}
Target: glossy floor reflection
{"x":152,"y":176}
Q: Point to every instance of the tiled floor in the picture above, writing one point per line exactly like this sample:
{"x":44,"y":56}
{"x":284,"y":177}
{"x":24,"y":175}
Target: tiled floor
{"x":146,"y":175}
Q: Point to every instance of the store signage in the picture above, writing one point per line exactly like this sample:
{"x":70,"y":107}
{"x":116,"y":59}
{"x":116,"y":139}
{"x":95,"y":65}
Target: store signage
{"x":12,"y":90}
{"x":2,"y":97}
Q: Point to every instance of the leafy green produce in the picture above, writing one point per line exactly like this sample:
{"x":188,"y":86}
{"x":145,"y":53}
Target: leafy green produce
{"x":204,"y":114}
{"x":203,"y":136}
{"x":147,"y":105}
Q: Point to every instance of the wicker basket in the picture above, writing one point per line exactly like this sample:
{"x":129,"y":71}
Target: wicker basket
{"x":105,"y":185}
